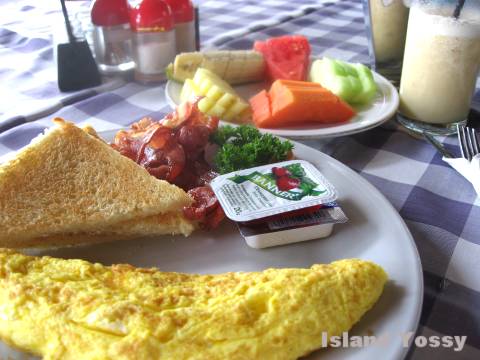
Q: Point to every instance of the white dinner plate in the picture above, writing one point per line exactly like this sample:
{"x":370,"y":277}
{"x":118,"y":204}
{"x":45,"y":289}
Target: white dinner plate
{"x":381,"y":109}
{"x":375,"y":232}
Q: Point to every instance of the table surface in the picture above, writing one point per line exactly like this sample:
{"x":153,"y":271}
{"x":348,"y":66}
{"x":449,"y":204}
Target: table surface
{"x":439,"y":206}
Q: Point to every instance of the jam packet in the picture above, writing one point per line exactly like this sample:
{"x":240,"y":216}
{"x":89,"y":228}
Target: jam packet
{"x":272,"y":189}
{"x":280,"y":203}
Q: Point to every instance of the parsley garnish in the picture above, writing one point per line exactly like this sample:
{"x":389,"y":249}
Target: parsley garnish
{"x":244,"y":147}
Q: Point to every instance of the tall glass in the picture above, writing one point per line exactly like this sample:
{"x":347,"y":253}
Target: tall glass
{"x":440,"y":68}
{"x":386,"y":22}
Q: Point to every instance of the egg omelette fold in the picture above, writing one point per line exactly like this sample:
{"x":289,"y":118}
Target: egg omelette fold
{"x":73,"y":309}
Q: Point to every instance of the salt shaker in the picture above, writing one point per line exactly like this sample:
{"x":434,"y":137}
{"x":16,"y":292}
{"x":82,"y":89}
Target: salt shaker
{"x":184,"y":17}
{"x":112,"y":40}
{"x":153,"y":39}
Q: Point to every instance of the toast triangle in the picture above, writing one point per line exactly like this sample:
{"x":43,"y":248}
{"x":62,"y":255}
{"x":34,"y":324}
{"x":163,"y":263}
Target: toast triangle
{"x":151,"y":226}
{"x":67,"y":181}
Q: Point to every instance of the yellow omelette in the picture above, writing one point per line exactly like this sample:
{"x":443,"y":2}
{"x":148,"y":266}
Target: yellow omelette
{"x":73,"y":309}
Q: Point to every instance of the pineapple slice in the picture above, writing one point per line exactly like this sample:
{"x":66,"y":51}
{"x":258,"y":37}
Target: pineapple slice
{"x":205,"y":86}
{"x":236,"y":111}
{"x":189,"y":90}
{"x":220,"y":99}
{"x":214,"y":93}
{"x":205,"y":105}
{"x":203,"y":74}
{"x":217,"y":110}
{"x":226,"y":100}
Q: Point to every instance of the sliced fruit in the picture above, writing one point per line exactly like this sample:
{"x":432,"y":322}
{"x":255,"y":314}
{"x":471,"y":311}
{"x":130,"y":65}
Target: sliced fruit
{"x":204,"y":86}
{"x":296,"y":102}
{"x":169,"y":72}
{"x":287,"y":57}
{"x":369,"y":87}
{"x":226,"y":100}
{"x":217,"y":110}
{"x":214,"y":93}
{"x":238,"y":112}
{"x":210,"y":78}
{"x":205,"y":104}
{"x":261,"y":108}
{"x":336,"y":77}
{"x":220,"y":100}
{"x":189,"y":89}
{"x":236,"y":67}
{"x":354,"y":83}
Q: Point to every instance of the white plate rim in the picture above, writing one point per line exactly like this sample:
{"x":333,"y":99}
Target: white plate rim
{"x":415,"y":321}
{"x":327,"y":132}
{"x":299,"y":149}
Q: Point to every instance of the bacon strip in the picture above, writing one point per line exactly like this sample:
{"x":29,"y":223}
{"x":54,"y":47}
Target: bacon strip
{"x":173,"y":149}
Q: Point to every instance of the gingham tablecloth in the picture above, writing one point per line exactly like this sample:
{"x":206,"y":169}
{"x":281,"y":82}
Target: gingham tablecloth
{"x":439,"y":206}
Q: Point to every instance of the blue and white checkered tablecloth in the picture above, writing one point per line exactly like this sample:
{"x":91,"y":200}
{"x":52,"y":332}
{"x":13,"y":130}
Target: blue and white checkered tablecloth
{"x":439,"y":206}
{"x":28,"y":38}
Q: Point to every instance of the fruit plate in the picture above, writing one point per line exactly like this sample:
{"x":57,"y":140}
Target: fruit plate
{"x":381,"y":109}
{"x":374,"y":232}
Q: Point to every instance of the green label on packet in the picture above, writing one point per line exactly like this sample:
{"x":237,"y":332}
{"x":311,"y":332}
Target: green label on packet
{"x":268,"y":182}
{"x":271,"y":189}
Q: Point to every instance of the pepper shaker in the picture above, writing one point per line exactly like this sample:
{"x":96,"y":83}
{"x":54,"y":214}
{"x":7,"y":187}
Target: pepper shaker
{"x":184,"y":17}
{"x":153,"y":39}
{"x":112,"y":40}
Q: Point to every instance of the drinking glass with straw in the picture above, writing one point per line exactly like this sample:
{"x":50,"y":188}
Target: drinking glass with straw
{"x":440,"y":65}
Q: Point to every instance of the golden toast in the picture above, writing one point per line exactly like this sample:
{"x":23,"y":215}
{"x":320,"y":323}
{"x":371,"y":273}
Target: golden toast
{"x":67,"y":181}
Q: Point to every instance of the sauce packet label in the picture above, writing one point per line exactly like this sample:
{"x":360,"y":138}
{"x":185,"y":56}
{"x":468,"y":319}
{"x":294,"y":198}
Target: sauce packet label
{"x":272,"y":189}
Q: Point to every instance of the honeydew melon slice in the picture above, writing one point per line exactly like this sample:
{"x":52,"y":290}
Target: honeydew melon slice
{"x":352,"y":82}
{"x":368,"y":84}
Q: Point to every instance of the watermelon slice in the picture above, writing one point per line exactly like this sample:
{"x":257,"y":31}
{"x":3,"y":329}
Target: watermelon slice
{"x":287,"y":57}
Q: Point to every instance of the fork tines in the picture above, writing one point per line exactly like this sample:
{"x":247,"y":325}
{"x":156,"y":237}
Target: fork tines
{"x":468,"y":141}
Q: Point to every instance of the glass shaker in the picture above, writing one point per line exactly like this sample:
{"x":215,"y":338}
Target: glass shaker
{"x":153,"y":39}
{"x":112,"y":40}
{"x":184,"y":17}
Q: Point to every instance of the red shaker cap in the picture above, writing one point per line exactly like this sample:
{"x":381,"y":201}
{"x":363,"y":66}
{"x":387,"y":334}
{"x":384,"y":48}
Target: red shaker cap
{"x":182,"y":10}
{"x":110,"y":12}
{"x":151,"y":16}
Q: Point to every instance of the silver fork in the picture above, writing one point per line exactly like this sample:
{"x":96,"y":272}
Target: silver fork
{"x":468,"y":141}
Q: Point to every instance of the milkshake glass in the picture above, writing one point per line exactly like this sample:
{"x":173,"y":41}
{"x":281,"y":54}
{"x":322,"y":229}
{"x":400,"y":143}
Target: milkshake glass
{"x":440,"y":68}
{"x":386,"y":22}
